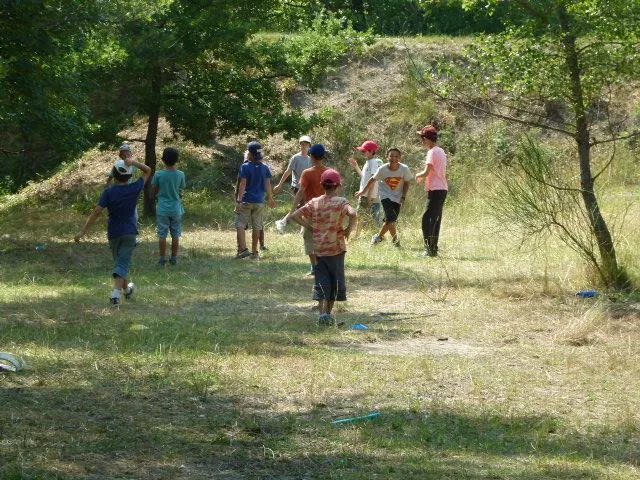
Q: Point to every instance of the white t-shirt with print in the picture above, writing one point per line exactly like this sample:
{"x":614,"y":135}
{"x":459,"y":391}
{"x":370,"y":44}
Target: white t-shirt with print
{"x":371,"y":166}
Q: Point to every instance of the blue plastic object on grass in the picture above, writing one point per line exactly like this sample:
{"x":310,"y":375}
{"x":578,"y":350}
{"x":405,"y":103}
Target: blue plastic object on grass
{"x":359,"y":326}
{"x":40,"y":247}
{"x":587,"y":293}
{"x":340,"y":421}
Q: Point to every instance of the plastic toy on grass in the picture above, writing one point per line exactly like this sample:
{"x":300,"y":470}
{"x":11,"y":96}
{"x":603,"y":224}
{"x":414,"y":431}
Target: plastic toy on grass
{"x":10,"y":363}
{"x":359,"y":326}
{"x":370,"y":416}
{"x":587,"y":293}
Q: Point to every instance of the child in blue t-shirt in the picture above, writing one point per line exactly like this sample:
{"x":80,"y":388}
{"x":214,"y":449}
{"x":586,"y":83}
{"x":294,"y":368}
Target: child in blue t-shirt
{"x":120,"y":200}
{"x":255,"y":183}
{"x":168,"y":185}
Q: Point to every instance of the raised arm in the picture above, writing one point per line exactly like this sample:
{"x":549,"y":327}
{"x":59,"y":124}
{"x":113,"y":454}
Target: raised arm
{"x":146,"y":171}
{"x":354,"y":163}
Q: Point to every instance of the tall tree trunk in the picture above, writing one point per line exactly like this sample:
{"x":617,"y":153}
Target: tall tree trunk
{"x":609,"y":269}
{"x":150,"y":158}
{"x":360,"y":18}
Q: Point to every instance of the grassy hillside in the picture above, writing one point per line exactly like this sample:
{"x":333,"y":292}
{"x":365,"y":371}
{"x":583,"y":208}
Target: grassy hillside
{"x":483,"y":363}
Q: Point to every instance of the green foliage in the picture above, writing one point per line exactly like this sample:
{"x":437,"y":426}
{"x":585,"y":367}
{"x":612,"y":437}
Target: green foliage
{"x":398,"y":17}
{"x":316,"y":49}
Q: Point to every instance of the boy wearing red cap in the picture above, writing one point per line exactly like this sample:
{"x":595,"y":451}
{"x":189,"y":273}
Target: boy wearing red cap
{"x":371,"y":202}
{"x":435,"y":171}
{"x":325,"y":216}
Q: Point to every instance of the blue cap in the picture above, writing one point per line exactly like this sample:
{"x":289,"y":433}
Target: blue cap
{"x":256,"y":149}
{"x":317,"y":150}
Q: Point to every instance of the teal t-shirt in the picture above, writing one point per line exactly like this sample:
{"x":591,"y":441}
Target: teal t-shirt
{"x":169,"y":183}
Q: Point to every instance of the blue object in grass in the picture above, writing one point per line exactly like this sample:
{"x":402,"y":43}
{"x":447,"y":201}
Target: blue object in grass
{"x":587,"y":293}
{"x":340,"y":421}
{"x":40,"y":247}
{"x":359,"y":326}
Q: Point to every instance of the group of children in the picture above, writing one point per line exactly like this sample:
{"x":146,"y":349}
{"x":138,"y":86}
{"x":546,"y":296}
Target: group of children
{"x":326,"y":217}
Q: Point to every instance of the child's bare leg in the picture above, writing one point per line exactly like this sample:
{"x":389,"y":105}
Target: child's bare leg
{"x":241,"y":239}
{"x":391,"y":228}
{"x":261,"y":238}
{"x":384,"y":229}
{"x":255,"y":238}
{"x":312,"y":259}
{"x":328,"y":306}
{"x":175,"y":246}
{"x":162,"y":246}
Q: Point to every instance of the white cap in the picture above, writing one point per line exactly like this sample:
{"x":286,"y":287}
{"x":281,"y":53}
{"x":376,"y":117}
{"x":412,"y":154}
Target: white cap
{"x":123,"y":168}
{"x":125,"y":147}
{"x":305,"y":138}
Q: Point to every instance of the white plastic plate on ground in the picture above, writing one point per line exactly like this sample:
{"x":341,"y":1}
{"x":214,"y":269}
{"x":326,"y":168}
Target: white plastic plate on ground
{"x":10,"y":363}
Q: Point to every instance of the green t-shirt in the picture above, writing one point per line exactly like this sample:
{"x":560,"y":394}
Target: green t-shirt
{"x":169,"y":183}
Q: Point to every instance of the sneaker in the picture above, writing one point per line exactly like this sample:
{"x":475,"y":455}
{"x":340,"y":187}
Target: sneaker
{"x":128,"y":293}
{"x":326,"y":319}
{"x":376,"y":239}
{"x":244,"y":254}
{"x":162,"y":262}
{"x":281,"y":225}
{"x":173,"y":260}
{"x":396,"y":242}
{"x":429,"y":253}
{"x":255,"y":256}
{"x":263,"y":248}
{"x":115,"y":301}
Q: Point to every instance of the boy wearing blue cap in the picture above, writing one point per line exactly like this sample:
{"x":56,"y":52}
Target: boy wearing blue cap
{"x":255,"y":183}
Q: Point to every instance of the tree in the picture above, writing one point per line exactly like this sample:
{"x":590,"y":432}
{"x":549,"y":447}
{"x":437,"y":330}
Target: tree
{"x":190,"y":61}
{"x":577,"y":54}
{"x":44,"y":114}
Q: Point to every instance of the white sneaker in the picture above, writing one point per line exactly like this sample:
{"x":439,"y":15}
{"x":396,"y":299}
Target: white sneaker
{"x":281,"y":225}
{"x":376,"y":239}
{"x":128,"y":293}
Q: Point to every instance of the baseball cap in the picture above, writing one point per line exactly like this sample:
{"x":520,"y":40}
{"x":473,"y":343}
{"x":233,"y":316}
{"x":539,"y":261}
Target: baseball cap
{"x":317,"y":150}
{"x":305,"y":138}
{"x":369,"y":146}
{"x":429,"y":132}
{"x":256,"y":149}
{"x":122,"y":168}
{"x":330,"y":177}
{"x":125,"y":147}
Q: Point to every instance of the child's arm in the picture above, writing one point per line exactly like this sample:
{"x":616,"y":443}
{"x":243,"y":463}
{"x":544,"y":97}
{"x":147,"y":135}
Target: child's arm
{"x":146,"y":171}
{"x":366,"y":188}
{"x":271,"y":202}
{"x":405,"y":189}
{"x":285,"y":176}
{"x":242,"y":185}
{"x":354,"y":163}
{"x":353,"y":222}
{"x":424,"y":173}
{"x":299,"y":218}
{"x":92,"y":218}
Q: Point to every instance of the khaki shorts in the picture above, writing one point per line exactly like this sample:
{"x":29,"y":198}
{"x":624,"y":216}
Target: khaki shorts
{"x":307,"y":234}
{"x":250,"y":214}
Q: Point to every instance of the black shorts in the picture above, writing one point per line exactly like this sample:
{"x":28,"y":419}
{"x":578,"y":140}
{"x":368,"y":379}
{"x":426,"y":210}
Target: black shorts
{"x":391,"y":210}
{"x":330,"y":283}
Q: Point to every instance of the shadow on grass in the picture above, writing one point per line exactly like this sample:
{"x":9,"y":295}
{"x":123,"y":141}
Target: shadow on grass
{"x":163,"y":427}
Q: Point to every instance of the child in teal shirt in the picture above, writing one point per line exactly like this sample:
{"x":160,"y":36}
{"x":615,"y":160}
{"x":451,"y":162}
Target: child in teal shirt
{"x":168,"y":185}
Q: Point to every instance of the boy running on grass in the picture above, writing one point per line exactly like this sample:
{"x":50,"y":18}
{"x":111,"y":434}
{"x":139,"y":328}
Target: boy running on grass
{"x":393,"y":180}
{"x":325,"y":217}
{"x":255,"y":182}
{"x":168,"y":185}
{"x":120,"y":200}
{"x":297,"y":164}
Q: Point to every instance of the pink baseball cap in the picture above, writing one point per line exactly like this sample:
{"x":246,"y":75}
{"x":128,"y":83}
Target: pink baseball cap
{"x":429,"y":132}
{"x":330,"y":177}
{"x":369,"y":146}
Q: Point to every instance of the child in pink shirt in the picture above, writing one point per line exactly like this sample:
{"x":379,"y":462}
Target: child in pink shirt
{"x":435,"y":171}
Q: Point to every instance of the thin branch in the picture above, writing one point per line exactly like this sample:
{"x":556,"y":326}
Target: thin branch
{"x":141,"y":140}
{"x":595,"y":142}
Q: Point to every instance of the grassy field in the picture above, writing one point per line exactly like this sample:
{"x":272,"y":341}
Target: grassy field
{"x":482,"y":363}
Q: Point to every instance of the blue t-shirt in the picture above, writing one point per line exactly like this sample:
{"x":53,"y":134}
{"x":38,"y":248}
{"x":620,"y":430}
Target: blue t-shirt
{"x":169,"y":183}
{"x":256,"y":174}
{"x":121,"y":200}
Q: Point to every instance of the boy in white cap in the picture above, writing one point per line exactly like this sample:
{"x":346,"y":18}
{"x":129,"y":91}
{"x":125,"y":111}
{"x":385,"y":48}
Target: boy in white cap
{"x":120,"y":200}
{"x":325,"y":216}
{"x":297,"y":164}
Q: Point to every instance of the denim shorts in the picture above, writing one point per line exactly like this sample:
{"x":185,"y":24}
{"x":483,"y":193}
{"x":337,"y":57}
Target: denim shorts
{"x":122,"y":251}
{"x":169,"y":223}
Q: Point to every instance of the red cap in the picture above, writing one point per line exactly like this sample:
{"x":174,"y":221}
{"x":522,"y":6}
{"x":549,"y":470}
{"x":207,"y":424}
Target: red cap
{"x":369,"y":146}
{"x":429,"y":132}
{"x":330,"y":177}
